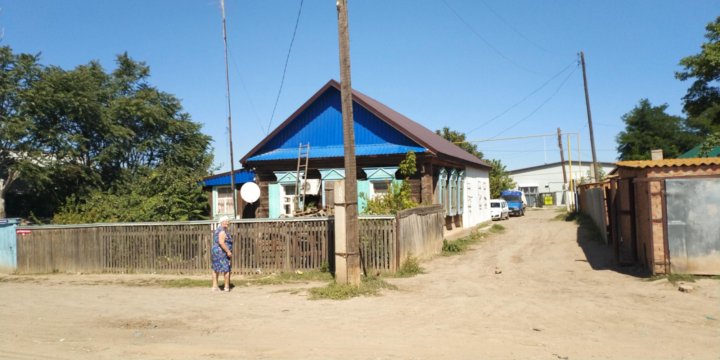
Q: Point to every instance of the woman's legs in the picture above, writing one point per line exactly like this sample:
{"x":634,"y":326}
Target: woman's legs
{"x":227,"y":281}
{"x":215,"y":280}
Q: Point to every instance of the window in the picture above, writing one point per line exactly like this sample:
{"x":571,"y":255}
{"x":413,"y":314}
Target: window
{"x":379,"y":188}
{"x":452,"y":193}
{"x":223,"y":201}
{"x":288,"y":200}
{"x":460,"y":192}
{"x":442,"y":189}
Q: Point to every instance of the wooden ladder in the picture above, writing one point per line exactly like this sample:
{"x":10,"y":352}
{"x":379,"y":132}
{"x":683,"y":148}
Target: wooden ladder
{"x":301,"y":176}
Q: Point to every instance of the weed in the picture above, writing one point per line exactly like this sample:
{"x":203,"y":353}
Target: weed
{"x":497,"y":228}
{"x":675,"y":278}
{"x":410,"y":267}
{"x":451,"y":247}
{"x":462,"y":244}
{"x":324,"y":267}
{"x":370,"y":286}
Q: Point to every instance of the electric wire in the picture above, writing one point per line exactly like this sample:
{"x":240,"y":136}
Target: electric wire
{"x":523,"y":99}
{"x":287,"y":60}
{"x":537,"y":108}
{"x":508,"y":24}
{"x":490,"y":45}
{"x":247,"y":92}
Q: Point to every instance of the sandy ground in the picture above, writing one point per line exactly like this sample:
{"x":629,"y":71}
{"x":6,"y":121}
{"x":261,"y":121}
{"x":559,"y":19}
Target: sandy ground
{"x":557,"y":298}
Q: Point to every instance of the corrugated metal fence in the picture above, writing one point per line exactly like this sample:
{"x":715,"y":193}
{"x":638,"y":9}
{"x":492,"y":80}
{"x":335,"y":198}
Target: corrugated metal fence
{"x":184,"y":247}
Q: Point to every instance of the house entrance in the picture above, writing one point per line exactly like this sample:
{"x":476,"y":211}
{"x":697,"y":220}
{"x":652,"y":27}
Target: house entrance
{"x":693,"y":229}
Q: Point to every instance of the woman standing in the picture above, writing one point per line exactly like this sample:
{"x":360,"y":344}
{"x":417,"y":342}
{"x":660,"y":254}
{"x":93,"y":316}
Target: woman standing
{"x":221,"y":254}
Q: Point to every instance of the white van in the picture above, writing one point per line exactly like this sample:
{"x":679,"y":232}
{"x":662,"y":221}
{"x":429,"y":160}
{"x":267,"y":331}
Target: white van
{"x":499,"y":209}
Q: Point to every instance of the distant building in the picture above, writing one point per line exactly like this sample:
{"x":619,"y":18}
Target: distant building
{"x":695,"y":152}
{"x":446,"y":174}
{"x":548,"y":179}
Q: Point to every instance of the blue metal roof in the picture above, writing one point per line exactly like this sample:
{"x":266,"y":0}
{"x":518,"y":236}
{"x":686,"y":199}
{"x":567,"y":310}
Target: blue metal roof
{"x":337,"y":151}
{"x":320,"y":124}
{"x":241,"y":176}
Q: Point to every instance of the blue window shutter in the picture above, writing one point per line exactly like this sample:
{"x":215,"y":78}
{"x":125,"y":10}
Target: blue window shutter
{"x":274,"y":201}
{"x":461,"y":192}
{"x":363,"y":190}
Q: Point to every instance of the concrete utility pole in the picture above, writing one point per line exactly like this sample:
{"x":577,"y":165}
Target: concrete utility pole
{"x":595,"y":167}
{"x":227,"y":85}
{"x":562,"y":156}
{"x":347,"y":255}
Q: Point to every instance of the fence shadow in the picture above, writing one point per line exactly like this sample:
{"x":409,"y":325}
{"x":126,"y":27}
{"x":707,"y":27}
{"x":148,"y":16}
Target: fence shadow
{"x":601,"y":256}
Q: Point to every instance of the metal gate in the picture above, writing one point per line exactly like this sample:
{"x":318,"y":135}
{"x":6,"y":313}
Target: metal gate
{"x":8,"y":245}
{"x":693,"y":225}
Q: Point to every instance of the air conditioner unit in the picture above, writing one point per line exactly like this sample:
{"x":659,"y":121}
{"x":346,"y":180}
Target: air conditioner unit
{"x":312,"y":186}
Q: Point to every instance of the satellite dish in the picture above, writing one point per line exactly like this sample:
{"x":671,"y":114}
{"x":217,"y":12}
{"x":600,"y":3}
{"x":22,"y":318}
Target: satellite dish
{"x":250,"y":192}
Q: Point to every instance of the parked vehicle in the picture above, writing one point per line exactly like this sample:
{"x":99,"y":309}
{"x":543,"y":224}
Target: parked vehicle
{"x":516,"y":201}
{"x":499,"y":209}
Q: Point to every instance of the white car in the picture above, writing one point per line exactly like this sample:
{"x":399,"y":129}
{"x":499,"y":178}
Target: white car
{"x":499,"y":209}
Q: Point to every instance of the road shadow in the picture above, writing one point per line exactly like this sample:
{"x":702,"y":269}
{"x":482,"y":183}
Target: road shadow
{"x":598,"y":254}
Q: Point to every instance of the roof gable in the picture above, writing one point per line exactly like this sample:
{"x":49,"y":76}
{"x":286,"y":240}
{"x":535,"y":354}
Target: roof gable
{"x":379,"y":130}
{"x":320,"y":123}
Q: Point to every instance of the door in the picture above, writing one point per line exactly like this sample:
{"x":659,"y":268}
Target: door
{"x":8,"y":245}
{"x":693,"y":229}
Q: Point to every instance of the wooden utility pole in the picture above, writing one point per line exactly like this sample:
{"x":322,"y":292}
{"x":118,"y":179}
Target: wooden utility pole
{"x":589,"y":116}
{"x":227,"y":85}
{"x":562,"y":156}
{"x":351,"y":254}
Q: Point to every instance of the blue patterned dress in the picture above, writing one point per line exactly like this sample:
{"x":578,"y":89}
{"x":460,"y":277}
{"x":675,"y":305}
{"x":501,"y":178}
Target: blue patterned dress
{"x":220,"y":261}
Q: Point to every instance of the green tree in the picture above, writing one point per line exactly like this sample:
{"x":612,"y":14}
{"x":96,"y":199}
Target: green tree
{"x":499,"y":179}
{"x":702,"y":100}
{"x":459,"y":139}
{"x":108,"y":138}
{"x":649,"y":127}
{"x":19,"y":159}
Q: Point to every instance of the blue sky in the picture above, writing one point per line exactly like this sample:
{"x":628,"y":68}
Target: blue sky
{"x":456,"y":63}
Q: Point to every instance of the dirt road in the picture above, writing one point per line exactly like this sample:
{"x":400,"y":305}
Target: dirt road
{"x":556,"y":298}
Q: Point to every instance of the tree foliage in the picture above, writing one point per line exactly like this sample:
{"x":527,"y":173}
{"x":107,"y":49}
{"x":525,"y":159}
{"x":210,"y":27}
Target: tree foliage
{"x":459,"y":139}
{"x":18,"y":156}
{"x":499,"y":179}
{"x":649,"y":127}
{"x":702,"y":100}
{"x":101,"y":146}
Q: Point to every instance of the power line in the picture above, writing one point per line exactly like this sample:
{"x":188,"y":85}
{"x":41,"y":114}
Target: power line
{"x":512,"y":27}
{"x":523,"y":99}
{"x":537,"y":108}
{"x":287,"y":60}
{"x":493,"y":48}
{"x":242,"y":82}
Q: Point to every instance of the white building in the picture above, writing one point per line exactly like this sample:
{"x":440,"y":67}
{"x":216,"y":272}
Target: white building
{"x":548,"y":179}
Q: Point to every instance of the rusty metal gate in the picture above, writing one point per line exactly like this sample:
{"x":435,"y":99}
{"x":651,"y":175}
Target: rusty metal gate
{"x":693,"y":225}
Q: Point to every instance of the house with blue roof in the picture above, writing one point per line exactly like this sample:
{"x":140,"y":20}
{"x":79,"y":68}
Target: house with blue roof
{"x":446,"y":175}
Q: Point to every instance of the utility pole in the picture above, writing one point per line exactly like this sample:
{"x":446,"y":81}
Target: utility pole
{"x":589,"y":116}
{"x":562,"y":156}
{"x":227,"y":84}
{"x":349,"y":254}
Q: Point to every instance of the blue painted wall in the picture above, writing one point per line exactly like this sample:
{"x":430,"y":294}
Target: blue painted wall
{"x":320,"y":124}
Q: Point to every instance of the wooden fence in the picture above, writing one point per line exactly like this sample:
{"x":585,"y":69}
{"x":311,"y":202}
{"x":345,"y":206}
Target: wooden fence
{"x":420,"y":232}
{"x":184,"y":247}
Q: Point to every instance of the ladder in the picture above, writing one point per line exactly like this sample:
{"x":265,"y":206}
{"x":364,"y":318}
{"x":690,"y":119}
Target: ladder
{"x":301,"y":176}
